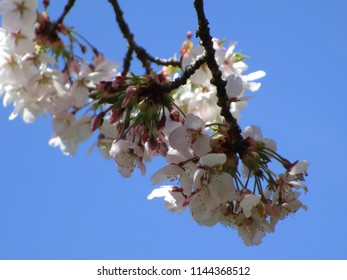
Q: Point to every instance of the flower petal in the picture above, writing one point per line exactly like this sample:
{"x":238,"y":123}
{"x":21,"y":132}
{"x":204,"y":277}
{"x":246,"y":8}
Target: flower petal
{"x":234,"y":86}
{"x":194,"y":122}
{"x":201,"y":146}
{"x":299,"y":168}
{"x":174,"y":202}
{"x":221,"y":187}
{"x":169,"y":171}
{"x":198,"y":178}
{"x":212,"y":160}
{"x":298,"y":185}
{"x":255,"y":75}
{"x":201,"y":211}
{"x":180,"y":139}
{"x":248,"y":202}
{"x":252,"y":131}
{"x":160,"y":192}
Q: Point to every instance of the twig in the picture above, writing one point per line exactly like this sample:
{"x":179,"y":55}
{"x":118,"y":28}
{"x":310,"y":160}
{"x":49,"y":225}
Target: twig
{"x":67,"y":9}
{"x":127,"y":61}
{"x":141,"y":53}
{"x":164,"y":62}
{"x":206,"y":40}
{"x":188,"y":71}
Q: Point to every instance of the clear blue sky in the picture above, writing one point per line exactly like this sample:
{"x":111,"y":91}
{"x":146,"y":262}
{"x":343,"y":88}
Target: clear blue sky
{"x":58,"y":207}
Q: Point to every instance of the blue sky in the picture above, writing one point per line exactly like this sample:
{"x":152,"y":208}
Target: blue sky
{"x":58,"y":207}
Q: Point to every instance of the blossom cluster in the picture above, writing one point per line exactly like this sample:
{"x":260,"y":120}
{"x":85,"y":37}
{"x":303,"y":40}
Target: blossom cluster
{"x":218,"y":178}
{"x":30,"y":53}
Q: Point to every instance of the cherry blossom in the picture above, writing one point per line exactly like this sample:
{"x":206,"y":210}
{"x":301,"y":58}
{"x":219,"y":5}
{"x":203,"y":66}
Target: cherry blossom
{"x":69,"y":132}
{"x":191,"y":135}
{"x":18,"y":13}
{"x":173,"y":198}
{"x":212,"y":189}
{"x":127,"y":155}
{"x":203,"y":75}
{"x":174,"y":171}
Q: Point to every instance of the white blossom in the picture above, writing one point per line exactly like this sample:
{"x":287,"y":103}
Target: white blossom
{"x":18,"y":13}
{"x":69,"y":132}
{"x":191,"y":135}
{"x":173,"y":198}
{"x":127,"y":154}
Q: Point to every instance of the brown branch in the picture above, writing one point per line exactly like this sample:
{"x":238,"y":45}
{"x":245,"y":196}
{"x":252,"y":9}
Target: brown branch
{"x":67,"y":9}
{"x":206,"y":40}
{"x":127,"y":61}
{"x":188,"y":71}
{"x":141,"y":53}
{"x":164,"y":62}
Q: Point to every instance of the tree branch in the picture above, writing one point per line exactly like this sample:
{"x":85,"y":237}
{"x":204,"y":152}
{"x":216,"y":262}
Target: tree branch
{"x":163,"y":62}
{"x":141,"y":53}
{"x":206,"y":40}
{"x":127,"y":60}
{"x":188,"y":71}
{"x":67,"y":9}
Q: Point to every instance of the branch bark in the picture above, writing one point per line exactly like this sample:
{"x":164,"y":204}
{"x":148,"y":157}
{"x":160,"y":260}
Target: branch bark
{"x":127,"y":60}
{"x":188,"y":71}
{"x":141,"y":53}
{"x":67,"y":9}
{"x":206,"y":40}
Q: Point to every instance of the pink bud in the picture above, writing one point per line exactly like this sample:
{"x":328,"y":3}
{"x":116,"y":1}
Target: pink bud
{"x":118,"y":82}
{"x":97,"y":121}
{"x":103,"y":86}
{"x":175,"y":115}
{"x":83,"y":48}
{"x":132,"y":90}
{"x":139,"y":130}
{"x":161,"y":123}
{"x":115,"y":115}
{"x":216,"y":44}
{"x":189,"y":35}
{"x":126,"y":101}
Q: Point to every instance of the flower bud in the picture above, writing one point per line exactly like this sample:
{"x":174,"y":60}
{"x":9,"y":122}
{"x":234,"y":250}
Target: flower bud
{"x":131,"y":91}
{"x":138,"y":130}
{"x":175,"y":115}
{"x":118,"y":82}
{"x":115,"y":115}
{"x":97,"y":121}
{"x":46,"y":3}
{"x":161,"y":123}
{"x":83,"y":48}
